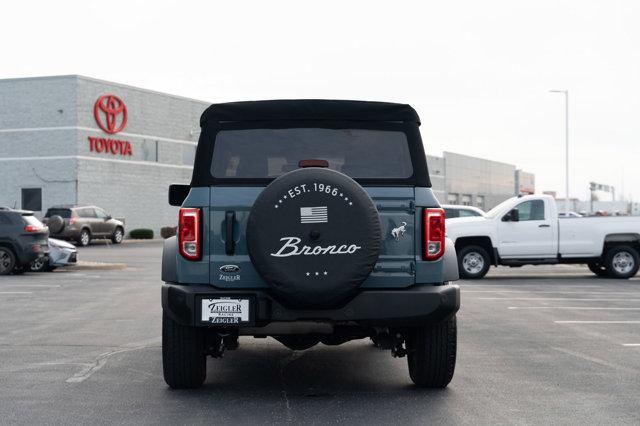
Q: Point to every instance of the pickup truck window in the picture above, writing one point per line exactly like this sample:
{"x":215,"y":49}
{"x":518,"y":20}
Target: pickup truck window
{"x":531,"y":210}
{"x":269,"y":153}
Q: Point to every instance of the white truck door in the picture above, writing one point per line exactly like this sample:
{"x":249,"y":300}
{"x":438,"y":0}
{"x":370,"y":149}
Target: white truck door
{"x":534,"y":235}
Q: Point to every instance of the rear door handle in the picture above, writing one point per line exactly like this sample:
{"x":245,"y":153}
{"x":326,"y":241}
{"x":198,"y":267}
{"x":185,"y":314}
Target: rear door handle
{"x":544,"y":226}
{"x":229,"y":242}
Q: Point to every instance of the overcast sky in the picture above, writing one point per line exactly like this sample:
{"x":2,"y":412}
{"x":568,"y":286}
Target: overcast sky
{"x":478,"y":72}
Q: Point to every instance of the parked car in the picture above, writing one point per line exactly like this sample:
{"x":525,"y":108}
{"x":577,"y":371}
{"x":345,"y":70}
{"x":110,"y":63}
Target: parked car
{"x":82,"y":224}
{"x":311,"y":222}
{"x":527,"y":231}
{"x":23,"y":239}
{"x":61,"y":253}
{"x":451,"y":211}
{"x":570,"y":215}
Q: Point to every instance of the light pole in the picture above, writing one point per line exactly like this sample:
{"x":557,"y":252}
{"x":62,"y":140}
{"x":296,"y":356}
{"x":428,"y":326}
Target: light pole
{"x":566,"y":136}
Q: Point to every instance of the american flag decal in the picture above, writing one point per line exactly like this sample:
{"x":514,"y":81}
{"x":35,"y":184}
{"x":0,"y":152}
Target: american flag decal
{"x":313,"y":214}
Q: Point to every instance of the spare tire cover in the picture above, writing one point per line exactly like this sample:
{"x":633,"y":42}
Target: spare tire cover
{"x":56,"y":224}
{"x":314,"y":236}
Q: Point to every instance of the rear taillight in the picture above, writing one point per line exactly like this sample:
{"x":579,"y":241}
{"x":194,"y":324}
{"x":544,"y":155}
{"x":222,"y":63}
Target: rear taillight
{"x":189,"y":238}
{"x":433,"y":233}
{"x":72,"y":220}
{"x":33,"y":228}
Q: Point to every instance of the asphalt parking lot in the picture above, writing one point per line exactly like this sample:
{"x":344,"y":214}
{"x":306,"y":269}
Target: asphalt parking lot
{"x":537,"y":345}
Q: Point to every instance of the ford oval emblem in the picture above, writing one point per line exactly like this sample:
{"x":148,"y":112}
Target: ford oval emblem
{"x":229,"y":269}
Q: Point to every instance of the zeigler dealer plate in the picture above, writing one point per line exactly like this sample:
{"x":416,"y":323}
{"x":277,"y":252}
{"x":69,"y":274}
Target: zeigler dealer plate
{"x":225,"y":311}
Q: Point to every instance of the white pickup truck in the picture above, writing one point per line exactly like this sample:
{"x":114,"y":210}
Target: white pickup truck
{"x":527,"y":231}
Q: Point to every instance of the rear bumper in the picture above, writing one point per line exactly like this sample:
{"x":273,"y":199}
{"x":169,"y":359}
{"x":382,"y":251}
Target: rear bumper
{"x":418,"y":305}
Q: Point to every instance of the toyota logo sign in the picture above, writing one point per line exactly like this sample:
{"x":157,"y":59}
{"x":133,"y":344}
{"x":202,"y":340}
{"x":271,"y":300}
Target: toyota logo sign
{"x":110,"y":113}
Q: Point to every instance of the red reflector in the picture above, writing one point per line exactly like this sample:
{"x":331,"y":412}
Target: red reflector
{"x":313,"y":163}
{"x":189,"y":233}
{"x":433,"y":233}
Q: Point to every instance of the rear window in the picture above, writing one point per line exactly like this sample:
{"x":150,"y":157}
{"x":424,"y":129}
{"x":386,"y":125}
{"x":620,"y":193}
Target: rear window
{"x":269,"y":153}
{"x":64,"y":213}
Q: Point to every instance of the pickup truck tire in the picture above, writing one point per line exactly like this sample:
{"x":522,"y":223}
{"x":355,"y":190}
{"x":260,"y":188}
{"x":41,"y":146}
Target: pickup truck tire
{"x":598,"y":269}
{"x":473,"y":262}
{"x":184,"y":362}
{"x":621,"y":261}
{"x":7,"y":261}
{"x":431,"y":354}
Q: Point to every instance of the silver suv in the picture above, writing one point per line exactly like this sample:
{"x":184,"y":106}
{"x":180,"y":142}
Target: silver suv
{"x":82,"y":224}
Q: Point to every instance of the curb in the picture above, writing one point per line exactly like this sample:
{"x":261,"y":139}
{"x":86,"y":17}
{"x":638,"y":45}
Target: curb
{"x":132,"y":241}
{"x":96,"y":266}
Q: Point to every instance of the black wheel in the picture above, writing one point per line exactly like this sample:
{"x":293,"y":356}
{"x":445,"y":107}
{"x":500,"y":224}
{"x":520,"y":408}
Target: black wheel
{"x":598,"y":269}
{"x":117,"y":236}
{"x":621,"y":261}
{"x":7,"y":261}
{"x":41,"y":264}
{"x":184,"y":361}
{"x":85,"y":238}
{"x":473,"y":262}
{"x":432,"y":354}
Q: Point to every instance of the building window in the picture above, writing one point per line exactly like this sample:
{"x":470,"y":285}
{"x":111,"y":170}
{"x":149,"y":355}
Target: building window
{"x":452,"y":198}
{"x":32,"y":199}
{"x":466,"y":200}
{"x":480,"y":201}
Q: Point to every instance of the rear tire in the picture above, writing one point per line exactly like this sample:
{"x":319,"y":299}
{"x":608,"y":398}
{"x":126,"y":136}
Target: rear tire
{"x":7,"y":261}
{"x":598,"y":269}
{"x":473,"y":262}
{"x":622,"y":261}
{"x":85,"y":238}
{"x":432,"y":354}
{"x":184,"y":362}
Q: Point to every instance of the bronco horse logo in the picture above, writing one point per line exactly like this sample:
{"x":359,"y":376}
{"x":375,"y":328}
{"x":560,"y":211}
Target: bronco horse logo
{"x":398,"y":232}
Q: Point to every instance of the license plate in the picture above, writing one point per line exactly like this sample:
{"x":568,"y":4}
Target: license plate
{"x":225,"y":311}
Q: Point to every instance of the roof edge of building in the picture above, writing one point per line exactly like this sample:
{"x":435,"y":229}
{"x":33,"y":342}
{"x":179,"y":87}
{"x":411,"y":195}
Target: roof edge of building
{"x":98,"y":80}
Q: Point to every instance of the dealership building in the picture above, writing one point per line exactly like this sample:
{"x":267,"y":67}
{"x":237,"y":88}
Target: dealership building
{"x":78,"y":140}
{"x":472,"y":181}
{"x":81,"y":141}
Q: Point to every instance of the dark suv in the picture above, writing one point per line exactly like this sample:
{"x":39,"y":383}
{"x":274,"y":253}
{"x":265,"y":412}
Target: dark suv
{"x":23,"y":239}
{"x":311,"y":222}
{"x":82,"y":224}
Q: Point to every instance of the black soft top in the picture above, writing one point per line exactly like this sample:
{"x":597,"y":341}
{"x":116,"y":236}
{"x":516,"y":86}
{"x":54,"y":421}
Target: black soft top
{"x":310,"y":109}
{"x":331,"y":114}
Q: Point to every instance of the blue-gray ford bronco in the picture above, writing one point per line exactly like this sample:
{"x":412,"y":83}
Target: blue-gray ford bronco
{"x":309,"y":221}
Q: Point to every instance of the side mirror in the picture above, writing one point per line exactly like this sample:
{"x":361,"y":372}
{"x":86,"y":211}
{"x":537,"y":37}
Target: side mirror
{"x":512,"y":216}
{"x":177,"y":194}
{"x":108,"y":217}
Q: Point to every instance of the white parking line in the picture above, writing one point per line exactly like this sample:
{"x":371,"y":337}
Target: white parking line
{"x":559,"y":298}
{"x":550,"y":292}
{"x":597,"y":322}
{"x":16,"y":292}
{"x":631,"y":344}
{"x":595,"y":308}
{"x":30,"y":285}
